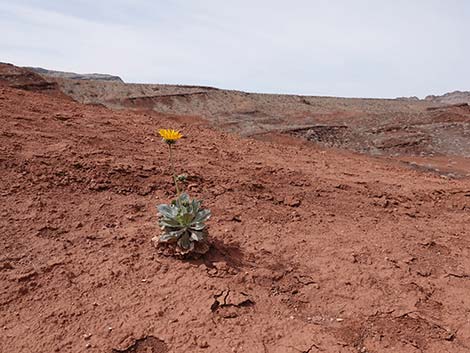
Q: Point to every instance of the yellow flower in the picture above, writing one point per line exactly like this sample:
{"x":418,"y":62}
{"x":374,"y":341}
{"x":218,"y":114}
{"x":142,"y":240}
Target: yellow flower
{"x":170,"y":136}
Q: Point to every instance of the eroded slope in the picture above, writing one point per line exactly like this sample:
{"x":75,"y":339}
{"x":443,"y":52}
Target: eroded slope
{"x":313,"y":249}
{"x":425,"y":133}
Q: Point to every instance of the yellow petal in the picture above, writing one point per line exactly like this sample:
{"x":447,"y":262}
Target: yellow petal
{"x":170,"y":134}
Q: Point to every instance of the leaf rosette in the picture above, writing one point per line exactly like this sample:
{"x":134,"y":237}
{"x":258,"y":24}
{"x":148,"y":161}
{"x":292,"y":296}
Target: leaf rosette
{"x":183,"y":223}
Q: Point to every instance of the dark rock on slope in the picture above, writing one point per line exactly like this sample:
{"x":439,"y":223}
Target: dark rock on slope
{"x":74,"y":76}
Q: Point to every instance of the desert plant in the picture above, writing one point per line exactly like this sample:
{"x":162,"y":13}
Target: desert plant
{"x":183,"y":223}
{"x":170,"y":136}
{"x":183,"y":220}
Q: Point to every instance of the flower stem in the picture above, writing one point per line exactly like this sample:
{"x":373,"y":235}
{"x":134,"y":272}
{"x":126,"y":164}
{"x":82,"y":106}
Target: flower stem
{"x":173,"y":171}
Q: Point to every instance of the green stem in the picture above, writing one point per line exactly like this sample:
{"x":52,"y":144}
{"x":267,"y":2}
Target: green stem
{"x":173,"y":171}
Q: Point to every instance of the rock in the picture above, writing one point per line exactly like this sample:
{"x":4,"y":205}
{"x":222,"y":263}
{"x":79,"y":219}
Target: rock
{"x":73,"y":75}
{"x":26,"y":276}
{"x":236,"y":218}
{"x":408,"y":99}
{"x":292,"y":201}
{"x":6,"y":266}
{"x":456,"y":97}
{"x":203,"y":344}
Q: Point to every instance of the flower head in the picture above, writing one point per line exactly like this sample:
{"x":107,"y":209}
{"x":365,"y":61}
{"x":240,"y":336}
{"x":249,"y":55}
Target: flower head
{"x":170,"y":136}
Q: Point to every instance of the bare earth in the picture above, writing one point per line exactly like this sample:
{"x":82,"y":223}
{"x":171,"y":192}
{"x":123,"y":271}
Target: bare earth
{"x":434,"y":132}
{"x":314,"y":249}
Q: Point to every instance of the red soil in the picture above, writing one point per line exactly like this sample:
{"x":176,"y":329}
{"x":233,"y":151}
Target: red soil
{"x":312,"y":249}
{"x":21,"y":78}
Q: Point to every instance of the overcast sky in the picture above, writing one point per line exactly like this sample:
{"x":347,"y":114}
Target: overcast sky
{"x":353,"y":48}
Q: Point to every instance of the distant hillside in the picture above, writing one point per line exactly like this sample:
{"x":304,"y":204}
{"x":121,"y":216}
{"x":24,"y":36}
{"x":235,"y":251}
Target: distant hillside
{"x":405,"y":127}
{"x":21,"y":78}
{"x":455,"y":97}
{"x":75,"y":76}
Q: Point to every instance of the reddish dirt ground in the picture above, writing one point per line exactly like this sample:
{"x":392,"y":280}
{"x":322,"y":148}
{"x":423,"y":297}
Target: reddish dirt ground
{"x":313,"y":249}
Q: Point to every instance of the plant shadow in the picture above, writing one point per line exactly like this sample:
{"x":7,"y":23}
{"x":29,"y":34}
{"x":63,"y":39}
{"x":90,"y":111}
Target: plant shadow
{"x":219,"y":251}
